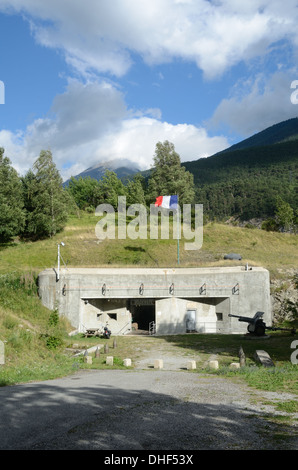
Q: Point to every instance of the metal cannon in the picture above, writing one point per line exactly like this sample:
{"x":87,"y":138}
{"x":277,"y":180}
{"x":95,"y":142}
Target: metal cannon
{"x":257,"y":326}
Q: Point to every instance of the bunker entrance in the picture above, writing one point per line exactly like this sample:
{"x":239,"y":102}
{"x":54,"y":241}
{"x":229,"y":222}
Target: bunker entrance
{"x":143,"y":313}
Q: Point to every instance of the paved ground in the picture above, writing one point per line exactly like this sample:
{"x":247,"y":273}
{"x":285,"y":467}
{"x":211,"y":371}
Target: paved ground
{"x":140,"y":409}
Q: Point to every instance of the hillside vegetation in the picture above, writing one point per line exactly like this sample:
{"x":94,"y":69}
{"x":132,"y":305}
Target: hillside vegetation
{"x":273,"y":250}
{"x":246,"y":183}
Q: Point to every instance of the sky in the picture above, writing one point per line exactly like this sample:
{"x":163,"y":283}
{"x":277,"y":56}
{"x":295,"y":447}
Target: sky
{"x":97,"y":80}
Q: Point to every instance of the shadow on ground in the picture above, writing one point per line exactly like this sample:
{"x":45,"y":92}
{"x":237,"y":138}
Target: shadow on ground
{"x":129,"y":410}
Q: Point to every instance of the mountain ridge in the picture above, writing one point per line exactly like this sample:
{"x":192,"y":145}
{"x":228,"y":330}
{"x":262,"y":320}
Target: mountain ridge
{"x":277,"y":133}
{"x":123,"y":168}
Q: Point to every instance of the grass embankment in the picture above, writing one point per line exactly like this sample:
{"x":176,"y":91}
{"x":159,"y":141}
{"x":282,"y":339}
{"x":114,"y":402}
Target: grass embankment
{"x":35,"y":339}
{"x":271,"y":250}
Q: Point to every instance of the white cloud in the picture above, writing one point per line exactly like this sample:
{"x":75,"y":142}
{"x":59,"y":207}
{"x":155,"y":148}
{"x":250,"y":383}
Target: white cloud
{"x":260,"y":103}
{"x":90,"y":123}
{"x":101,"y":35}
{"x":136,"y":140}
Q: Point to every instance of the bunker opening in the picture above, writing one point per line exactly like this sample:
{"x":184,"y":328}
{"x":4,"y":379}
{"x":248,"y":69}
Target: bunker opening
{"x":143,"y":314}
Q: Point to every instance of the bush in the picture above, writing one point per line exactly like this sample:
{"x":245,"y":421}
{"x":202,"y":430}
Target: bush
{"x":270,"y":225}
{"x":53,"y":336}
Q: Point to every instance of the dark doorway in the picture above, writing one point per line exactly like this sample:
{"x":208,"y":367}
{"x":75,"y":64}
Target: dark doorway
{"x":143,"y":315}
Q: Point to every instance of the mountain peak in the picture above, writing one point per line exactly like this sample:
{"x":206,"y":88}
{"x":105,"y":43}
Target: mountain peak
{"x":121,"y":166}
{"x":114,"y":164}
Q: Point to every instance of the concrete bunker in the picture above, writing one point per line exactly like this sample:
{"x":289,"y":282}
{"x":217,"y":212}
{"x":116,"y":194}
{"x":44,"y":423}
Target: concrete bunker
{"x":158,"y":301}
{"x":141,"y":316}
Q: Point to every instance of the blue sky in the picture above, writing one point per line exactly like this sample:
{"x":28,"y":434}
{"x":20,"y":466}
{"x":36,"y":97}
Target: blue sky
{"x":99,"y":80}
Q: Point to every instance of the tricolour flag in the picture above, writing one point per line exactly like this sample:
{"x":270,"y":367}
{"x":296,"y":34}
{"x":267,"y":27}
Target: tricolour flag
{"x":168,"y":202}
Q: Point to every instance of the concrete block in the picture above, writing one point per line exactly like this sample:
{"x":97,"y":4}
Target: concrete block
{"x":109,"y":360}
{"x":88,"y":359}
{"x":235,"y":365}
{"x":158,"y":364}
{"x":127,"y":362}
{"x":191,"y":365}
{"x":213,"y":364}
{"x":264,"y":358}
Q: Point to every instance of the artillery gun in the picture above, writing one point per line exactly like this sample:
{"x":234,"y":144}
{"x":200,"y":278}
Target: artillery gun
{"x":256,"y":325}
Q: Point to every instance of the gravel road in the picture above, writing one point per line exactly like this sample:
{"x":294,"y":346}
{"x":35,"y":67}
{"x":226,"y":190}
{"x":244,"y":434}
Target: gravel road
{"x":141,"y":409}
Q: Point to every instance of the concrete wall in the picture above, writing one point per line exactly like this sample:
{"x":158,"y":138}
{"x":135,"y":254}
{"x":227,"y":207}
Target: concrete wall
{"x":96,"y":313}
{"x":212,"y":292}
{"x":172,"y":317}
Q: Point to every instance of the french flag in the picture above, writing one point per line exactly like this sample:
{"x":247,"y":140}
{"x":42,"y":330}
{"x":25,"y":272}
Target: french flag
{"x":167,"y":202}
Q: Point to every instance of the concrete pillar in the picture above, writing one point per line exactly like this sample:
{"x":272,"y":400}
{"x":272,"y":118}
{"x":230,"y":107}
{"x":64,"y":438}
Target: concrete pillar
{"x":191,"y":365}
{"x":88,"y":359}
{"x":158,"y":364}
{"x":109,"y":360}
{"x":242,"y":359}
{"x":127,"y":362}
{"x":235,"y":365}
{"x":213,"y":364}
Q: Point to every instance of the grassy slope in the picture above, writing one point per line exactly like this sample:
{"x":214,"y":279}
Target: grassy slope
{"x":275,"y":251}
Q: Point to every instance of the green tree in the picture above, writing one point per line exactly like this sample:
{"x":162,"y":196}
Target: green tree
{"x":47,"y":201}
{"x":135,"y":190}
{"x":12,"y":215}
{"x":169,"y":177}
{"x":284,"y":214}
{"x":86,"y":192}
{"x":110,"y":188}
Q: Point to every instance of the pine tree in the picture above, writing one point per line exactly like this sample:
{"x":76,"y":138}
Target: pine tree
{"x":47,"y":203}
{"x":85,"y":192}
{"x":284,"y":214}
{"x":12,"y":216}
{"x":169,"y":177}
{"x":110,"y":188}
{"x":135,"y":190}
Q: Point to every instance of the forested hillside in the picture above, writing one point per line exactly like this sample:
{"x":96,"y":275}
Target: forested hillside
{"x":247,"y":182}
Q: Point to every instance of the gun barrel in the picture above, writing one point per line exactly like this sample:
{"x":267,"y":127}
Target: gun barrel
{"x":246,"y":319}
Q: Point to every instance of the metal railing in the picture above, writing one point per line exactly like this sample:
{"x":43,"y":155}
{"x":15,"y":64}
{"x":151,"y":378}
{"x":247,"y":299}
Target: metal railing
{"x":127,"y":326}
{"x":152,"y":328}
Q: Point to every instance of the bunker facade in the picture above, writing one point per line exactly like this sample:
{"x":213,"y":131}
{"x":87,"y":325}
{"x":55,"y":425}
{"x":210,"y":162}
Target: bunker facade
{"x":156,"y":300}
